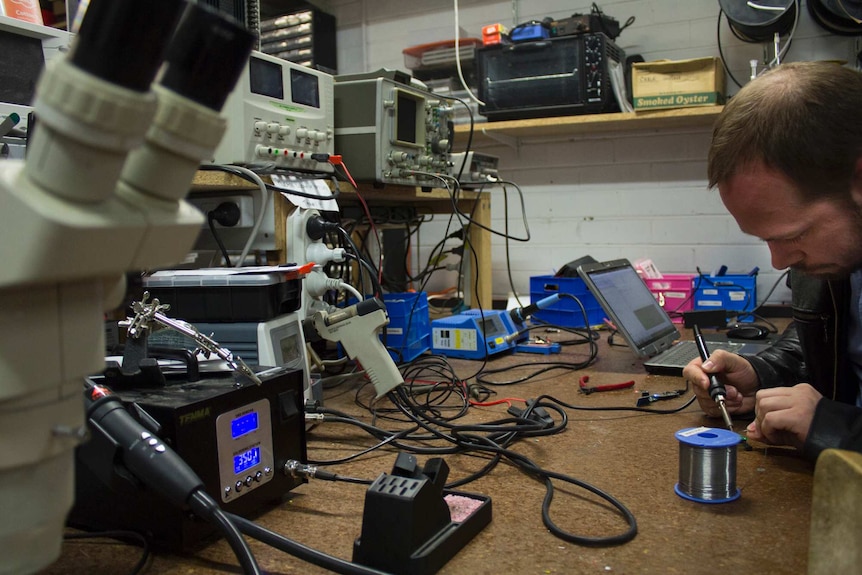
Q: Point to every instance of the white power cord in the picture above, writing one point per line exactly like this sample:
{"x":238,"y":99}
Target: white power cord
{"x":780,"y":52}
{"x":458,"y":58}
{"x":264,"y":200}
{"x":317,"y":283}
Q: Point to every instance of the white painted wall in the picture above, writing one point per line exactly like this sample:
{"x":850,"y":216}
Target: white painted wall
{"x":623,"y":194}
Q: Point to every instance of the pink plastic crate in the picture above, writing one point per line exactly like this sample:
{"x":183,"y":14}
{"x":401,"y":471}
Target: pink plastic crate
{"x":674,"y":292}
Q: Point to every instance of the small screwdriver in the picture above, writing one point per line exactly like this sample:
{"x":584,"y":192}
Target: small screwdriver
{"x":716,"y":389}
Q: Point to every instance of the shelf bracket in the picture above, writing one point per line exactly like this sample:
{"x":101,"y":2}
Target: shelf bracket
{"x":511,"y":141}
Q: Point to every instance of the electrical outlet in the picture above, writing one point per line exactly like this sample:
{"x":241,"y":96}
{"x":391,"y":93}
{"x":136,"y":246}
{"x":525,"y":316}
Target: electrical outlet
{"x":298,"y":240}
{"x":208,"y":203}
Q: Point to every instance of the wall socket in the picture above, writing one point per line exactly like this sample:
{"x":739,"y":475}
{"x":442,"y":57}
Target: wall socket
{"x":208,"y":203}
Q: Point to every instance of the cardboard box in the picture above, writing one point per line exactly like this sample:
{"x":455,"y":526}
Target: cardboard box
{"x":678,"y":83}
{"x":25,"y":10}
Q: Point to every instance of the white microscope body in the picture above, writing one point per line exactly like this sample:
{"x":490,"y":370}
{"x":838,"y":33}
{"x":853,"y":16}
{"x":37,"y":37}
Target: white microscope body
{"x":99,"y":194}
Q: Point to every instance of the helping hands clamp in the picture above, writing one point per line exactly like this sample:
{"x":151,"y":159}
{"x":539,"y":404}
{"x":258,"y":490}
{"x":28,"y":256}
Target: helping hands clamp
{"x":149,"y":316}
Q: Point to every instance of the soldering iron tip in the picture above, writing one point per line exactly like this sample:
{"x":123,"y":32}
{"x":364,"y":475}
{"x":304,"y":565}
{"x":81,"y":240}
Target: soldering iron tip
{"x":724,"y":415}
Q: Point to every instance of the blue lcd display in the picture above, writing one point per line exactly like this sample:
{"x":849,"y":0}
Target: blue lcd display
{"x":243,"y":424}
{"x":246,"y":459}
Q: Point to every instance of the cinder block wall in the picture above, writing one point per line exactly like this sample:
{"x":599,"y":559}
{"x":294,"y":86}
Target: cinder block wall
{"x":629,"y":194}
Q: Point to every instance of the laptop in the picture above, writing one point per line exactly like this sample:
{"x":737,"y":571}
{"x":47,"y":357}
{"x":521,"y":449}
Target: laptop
{"x":645,"y":325}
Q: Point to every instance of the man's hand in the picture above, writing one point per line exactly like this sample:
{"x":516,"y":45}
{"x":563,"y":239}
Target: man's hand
{"x":739,"y":378}
{"x":784,"y":415}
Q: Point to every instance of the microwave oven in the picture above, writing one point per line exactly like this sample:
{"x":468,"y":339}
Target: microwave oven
{"x":560,"y":76}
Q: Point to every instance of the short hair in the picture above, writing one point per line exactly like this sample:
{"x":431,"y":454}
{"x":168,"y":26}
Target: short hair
{"x":803,"y":119}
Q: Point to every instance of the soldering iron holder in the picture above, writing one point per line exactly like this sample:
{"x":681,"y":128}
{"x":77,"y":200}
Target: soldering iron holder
{"x":411,"y":524}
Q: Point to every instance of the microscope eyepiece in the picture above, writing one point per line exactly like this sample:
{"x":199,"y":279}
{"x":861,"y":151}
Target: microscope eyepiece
{"x":124,"y":41}
{"x":206,"y":57}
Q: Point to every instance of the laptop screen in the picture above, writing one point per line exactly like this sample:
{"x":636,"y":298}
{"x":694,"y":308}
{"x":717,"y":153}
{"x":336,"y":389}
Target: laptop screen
{"x":630,"y":304}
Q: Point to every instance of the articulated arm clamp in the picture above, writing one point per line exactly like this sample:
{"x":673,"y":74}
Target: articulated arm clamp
{"x":147,"y":314}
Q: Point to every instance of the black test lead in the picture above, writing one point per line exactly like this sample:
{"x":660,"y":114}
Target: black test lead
{"x":716,"y":389}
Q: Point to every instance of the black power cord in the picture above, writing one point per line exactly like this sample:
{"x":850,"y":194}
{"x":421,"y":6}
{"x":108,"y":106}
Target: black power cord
{"x":226,"y":214}
{"x":299,"y":550}
{"x":466,"y":438}
{"x":206,"y":507}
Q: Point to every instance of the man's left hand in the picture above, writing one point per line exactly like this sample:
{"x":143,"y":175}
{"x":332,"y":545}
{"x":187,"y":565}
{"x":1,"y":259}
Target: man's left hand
{"x":784,"y":415}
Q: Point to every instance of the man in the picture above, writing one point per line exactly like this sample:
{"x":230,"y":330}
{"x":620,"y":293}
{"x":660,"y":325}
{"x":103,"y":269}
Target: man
{"x":786,"y":157}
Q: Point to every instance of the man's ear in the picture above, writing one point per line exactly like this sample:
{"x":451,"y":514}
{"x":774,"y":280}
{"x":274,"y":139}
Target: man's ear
{"x":856,"y":183}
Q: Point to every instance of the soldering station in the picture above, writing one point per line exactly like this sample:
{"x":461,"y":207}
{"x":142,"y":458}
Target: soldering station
{"x":214,"y":283}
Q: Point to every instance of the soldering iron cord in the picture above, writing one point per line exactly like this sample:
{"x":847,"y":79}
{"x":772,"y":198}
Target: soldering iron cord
{"x":488,"y":445}
{"x":204,"y":506}
{"x":299,"y":550}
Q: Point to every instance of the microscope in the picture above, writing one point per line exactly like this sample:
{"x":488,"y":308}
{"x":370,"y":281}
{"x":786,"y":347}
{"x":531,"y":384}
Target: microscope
{"x":99,"y":194}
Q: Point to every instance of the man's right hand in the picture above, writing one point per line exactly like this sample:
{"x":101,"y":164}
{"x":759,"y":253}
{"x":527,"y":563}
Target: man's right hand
{"x":734,"y":371}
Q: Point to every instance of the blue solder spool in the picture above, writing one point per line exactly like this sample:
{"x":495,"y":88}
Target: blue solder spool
{"x":707,"y":465}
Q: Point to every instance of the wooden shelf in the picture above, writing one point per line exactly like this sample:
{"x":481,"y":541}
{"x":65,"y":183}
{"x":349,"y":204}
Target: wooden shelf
{"x":510,"y":131}
{"x":434,"y":201}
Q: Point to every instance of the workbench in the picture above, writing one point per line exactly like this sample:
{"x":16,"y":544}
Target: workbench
{"x":632,"y":456}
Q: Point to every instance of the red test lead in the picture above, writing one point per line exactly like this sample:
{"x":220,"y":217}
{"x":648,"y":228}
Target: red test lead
{"x":606,"y":387}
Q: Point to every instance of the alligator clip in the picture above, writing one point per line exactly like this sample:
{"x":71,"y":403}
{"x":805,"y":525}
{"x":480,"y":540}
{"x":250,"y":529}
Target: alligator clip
{"x":647,"y":398}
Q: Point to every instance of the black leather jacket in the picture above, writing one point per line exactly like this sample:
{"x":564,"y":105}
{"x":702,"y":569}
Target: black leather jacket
{"x":813,"y":350}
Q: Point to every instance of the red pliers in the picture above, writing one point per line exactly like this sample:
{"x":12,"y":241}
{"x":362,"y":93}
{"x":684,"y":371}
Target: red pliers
{"x":606,"y":387}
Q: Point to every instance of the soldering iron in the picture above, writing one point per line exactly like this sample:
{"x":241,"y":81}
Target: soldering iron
{"x":716,"y":388}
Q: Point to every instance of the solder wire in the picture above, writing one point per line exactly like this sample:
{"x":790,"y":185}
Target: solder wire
{"x":707,"y":474}
{"x":707,"y":465}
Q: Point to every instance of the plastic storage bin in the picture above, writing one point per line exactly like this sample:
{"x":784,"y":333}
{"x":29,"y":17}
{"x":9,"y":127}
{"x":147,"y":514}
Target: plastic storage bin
{"x":217,"y":297}
{"x":408,"y":334}
{"x":436,"y":54}
{"x":734,"y":293}
{"x":674,"y":292}
{"x":566,"y":312}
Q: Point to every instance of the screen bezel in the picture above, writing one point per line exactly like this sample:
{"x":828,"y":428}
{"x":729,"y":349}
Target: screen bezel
{"x":418,"y":123}
{"x":659,"y":340}
{"x":265,"y":78}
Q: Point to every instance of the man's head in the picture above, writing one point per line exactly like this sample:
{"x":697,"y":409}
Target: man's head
{"x":786,"y":156}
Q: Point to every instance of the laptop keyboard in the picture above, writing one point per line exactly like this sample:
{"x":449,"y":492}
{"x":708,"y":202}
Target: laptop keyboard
{"x":685,"y":351}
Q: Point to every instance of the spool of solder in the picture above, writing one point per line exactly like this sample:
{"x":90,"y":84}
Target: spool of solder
{"x":707,"y":465}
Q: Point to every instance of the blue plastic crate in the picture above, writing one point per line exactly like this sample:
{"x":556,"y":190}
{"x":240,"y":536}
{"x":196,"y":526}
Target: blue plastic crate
{"x":566,"y":312}
{"x":734,"y":293}
{"x":408,"y":334}
{"x":529,"y":33}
